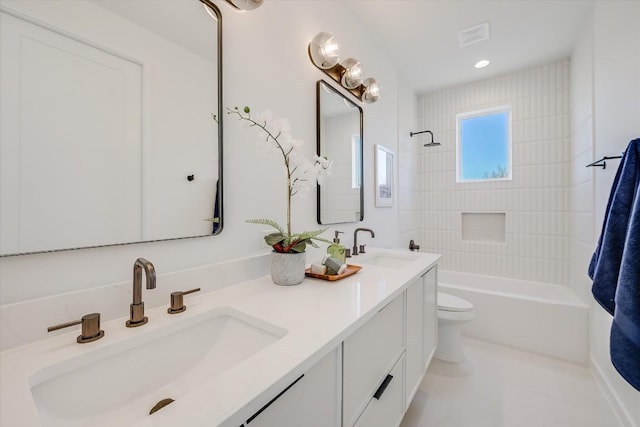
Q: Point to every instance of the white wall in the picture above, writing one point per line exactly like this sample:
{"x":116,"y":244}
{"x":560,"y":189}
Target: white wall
{"x":266,"y":66}
{"x":581,"y":197}
{"x":534,"y":200}
{"x":408,"y":170}
{"x":606,"y":116}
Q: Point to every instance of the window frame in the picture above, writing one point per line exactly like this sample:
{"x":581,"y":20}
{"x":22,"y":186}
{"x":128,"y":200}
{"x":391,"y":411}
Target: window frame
{"x":479,"y":113}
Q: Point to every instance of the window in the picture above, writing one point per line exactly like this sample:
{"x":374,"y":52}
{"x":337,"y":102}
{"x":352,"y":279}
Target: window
{"x":484,"y":145}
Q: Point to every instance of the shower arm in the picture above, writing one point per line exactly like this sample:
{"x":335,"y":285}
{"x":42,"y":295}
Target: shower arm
{"x":425,"y":131}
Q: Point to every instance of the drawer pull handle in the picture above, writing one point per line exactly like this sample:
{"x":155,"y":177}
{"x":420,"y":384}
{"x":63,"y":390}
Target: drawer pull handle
{"x":383,"y":387}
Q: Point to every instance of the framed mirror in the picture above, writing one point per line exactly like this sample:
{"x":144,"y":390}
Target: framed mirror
{"x":107,"y":134}
{"x":339,"y":128}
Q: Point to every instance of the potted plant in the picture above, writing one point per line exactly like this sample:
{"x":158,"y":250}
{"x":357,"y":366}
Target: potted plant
{"x":288,"y":256}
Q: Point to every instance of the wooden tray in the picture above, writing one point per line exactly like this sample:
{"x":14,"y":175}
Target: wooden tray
{"x":351,"y":269}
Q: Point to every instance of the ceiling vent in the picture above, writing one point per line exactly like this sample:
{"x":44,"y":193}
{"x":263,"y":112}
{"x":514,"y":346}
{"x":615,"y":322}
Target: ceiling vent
{"x":473,"y":34}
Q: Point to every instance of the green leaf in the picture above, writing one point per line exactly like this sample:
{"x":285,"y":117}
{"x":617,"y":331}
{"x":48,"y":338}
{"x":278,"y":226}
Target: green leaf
{"x":310,"y":235}
{"x":265,"y":221}
{"x":273,"y":238}
{"x":299,"y":247}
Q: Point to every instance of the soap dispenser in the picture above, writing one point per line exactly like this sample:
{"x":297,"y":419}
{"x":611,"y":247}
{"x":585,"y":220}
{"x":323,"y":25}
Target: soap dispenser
{"x":336,"y":250}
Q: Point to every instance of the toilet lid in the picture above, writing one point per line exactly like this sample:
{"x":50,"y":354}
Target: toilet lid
{"x":449,"y":302}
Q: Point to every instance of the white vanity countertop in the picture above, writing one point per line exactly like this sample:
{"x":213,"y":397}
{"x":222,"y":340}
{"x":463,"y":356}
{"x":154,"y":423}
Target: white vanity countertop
{"x":317,"y":315}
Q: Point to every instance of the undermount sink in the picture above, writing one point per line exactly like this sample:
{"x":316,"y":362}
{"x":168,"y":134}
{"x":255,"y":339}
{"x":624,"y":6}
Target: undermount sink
{"x":119,"y":384}
{"x":384,"y":260}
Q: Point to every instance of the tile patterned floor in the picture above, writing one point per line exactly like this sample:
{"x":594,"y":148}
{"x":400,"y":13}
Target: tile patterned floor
{"x":503,"y":387}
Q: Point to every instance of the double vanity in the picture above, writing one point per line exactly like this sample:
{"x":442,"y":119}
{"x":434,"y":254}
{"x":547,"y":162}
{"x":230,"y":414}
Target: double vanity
{"x":345,"y":353}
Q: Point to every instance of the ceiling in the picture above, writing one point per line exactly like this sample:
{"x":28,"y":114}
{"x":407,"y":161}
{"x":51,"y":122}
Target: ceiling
{"x":421,"y":36}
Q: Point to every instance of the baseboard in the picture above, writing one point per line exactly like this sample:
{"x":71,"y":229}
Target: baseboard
{"x":621,"y":413}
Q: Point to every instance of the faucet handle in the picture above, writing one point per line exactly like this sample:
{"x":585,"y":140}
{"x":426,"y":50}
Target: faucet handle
{"x":90,"y":328}
{"x":177,"y":302}
{"x":362,"y":248}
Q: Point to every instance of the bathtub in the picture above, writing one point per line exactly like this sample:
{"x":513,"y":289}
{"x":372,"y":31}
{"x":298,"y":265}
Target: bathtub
{"x":543,"y":318}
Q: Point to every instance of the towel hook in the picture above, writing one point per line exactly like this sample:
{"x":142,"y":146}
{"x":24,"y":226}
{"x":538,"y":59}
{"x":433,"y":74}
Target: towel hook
{"x":602,"y":163}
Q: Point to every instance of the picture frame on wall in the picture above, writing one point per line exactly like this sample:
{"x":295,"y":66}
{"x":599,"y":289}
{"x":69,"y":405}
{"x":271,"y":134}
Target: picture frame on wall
{"x":384,"y":176}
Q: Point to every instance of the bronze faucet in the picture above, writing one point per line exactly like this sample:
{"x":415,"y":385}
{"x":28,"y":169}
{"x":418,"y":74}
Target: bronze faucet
{"x":354,"y":251}
{"x":137,"y":317}
{"x":90,"y":328}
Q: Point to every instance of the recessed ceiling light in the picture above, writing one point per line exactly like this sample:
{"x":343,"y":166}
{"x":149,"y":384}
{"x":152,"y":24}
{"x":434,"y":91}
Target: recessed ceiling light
{"x":482,"y":63}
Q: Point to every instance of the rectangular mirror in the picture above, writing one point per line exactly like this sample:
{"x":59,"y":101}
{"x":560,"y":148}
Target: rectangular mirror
{"x":106,"y":129}
{"x":339,"y":127}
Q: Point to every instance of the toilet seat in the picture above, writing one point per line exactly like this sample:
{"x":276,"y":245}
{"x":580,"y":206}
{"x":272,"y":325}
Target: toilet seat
{"x":447,"y":302}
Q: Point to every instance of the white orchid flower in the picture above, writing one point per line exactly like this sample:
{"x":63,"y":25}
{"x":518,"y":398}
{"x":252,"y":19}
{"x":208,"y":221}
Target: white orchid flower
{"x":264,"y":117}
{"x":322,"y":168}
{"x":301,"y":174}
{"x":277,"y":126}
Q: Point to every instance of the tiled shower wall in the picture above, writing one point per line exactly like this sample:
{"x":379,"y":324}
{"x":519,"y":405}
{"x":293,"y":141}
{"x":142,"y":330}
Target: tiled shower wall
{"x":535,"y":201}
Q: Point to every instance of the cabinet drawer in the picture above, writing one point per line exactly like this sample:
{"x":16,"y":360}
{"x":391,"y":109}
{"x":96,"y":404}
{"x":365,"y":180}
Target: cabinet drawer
{"x":386,"y":410}
{"x":311,"y":401}
{"x":369,"y":355}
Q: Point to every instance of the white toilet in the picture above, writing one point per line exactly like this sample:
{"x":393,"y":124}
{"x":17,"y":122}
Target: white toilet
{"x":453,"y":312}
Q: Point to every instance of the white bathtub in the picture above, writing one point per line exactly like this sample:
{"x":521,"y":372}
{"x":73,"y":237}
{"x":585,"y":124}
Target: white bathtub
{"x":540,"y":317}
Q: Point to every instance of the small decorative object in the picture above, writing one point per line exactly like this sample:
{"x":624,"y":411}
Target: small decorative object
{"x":334,"y":266}
{"x":288,"y":257}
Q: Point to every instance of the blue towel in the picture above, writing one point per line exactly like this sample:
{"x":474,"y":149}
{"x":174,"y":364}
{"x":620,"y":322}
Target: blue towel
{"x":615,"y":266}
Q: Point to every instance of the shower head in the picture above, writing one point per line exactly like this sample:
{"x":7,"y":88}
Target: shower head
{"x":429,"y":144}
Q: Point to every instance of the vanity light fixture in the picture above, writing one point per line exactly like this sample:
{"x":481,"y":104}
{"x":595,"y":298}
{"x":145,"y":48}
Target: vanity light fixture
{"x":372,"y":90}
{"x":245,"y":4}
{"x":482,"y":63}
{"x":352,"y":76}
{"x":324,"y":52}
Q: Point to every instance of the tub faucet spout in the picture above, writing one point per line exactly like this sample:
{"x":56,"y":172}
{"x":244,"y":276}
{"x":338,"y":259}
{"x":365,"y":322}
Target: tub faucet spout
{"x":354,"y":251}
{"x":136,"y":308}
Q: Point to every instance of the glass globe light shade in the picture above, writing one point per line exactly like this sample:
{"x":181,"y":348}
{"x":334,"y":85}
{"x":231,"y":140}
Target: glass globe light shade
{"x":352,"y":76}
{"x":324,"y":50}
{"x":372,"y":92}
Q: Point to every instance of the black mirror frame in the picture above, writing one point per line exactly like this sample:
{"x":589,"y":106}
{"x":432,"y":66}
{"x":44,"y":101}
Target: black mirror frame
{"x":319,"y":87}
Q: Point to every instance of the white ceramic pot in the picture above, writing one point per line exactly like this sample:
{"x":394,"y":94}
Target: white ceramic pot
{"x":287,"y":268}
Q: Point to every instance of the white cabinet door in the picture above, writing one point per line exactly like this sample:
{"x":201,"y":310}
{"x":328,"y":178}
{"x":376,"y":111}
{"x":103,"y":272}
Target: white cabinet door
{"x":387,"y":408}
{"x":430,"y":282}
{"x":312,"y":401}
{"x":415,"y":359}
{"x":369,"y":354}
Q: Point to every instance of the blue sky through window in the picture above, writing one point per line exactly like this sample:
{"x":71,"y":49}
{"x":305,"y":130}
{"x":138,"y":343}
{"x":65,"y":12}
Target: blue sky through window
{"x":484,"y":146}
